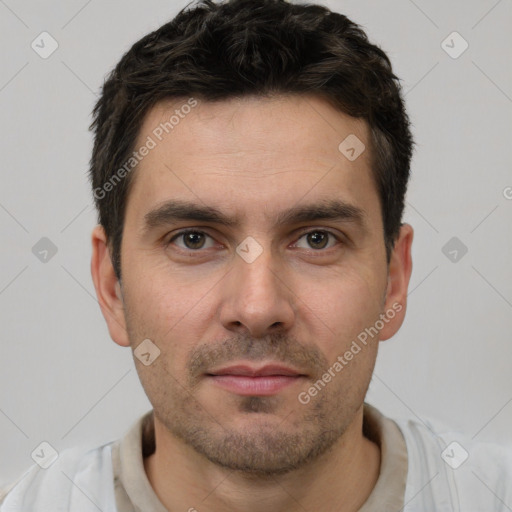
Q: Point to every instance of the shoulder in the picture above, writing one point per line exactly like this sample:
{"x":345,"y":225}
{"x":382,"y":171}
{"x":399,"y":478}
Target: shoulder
{"x":448,"y":470}
{"x":80,"y":479}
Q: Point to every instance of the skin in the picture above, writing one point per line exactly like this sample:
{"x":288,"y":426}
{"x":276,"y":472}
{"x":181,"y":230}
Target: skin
{"x":302,"y":302}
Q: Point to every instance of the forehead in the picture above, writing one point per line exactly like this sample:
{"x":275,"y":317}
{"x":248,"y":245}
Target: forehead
{"x":252,"y":155}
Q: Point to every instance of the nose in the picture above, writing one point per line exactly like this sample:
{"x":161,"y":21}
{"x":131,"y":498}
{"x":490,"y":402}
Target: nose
{"x":256,"y":298}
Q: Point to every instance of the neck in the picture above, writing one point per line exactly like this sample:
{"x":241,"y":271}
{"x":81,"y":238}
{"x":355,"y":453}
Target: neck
{"x":340,"y":480}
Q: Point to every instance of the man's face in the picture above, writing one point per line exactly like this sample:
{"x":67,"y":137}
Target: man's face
{"x":262,"y":289}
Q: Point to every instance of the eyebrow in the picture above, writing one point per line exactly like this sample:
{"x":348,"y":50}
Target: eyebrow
{"x":178,"y":210}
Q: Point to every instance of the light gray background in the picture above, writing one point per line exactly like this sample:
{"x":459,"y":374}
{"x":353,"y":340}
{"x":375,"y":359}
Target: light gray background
{"x":63,"y":380}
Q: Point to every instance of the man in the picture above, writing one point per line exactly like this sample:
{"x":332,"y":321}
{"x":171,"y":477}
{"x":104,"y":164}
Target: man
{"x":250,"y":164}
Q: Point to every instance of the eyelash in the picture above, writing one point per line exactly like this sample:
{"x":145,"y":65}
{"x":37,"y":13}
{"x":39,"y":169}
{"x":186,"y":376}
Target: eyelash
{"x":196,"y":231}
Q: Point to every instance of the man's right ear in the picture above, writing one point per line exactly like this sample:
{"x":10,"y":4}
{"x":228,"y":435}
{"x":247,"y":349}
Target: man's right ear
{"x":108,"y":288}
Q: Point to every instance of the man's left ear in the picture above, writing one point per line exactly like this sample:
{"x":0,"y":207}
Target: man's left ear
{"x":399,"y":274}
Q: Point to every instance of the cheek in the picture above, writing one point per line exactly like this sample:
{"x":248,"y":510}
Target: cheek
{"x":169,"y":310}
{"x":157,"y":292}
{"x":343,"y":307}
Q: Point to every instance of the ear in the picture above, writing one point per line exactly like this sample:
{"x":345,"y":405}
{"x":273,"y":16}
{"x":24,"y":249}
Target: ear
{"x":399,"y":274}
{"x":108,"y":289}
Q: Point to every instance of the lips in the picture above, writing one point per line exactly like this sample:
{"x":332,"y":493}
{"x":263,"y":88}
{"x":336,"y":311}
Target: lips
{"x":247,"y":380}
{"x":248,"y":371}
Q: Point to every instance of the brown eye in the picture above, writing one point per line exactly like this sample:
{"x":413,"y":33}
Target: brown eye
{"x":318,"y":239}
{"x":192,"y":240}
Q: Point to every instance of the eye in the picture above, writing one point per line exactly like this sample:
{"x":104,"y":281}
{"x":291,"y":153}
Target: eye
{"x":192,"y":240}
{"x":318,"y":239}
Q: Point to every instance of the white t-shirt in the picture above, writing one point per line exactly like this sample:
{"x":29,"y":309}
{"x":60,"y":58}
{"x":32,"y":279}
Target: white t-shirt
{"x":425,"y":467}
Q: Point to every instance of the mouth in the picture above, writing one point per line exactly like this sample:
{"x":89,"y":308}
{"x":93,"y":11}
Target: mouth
{"x":248,"y":380}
